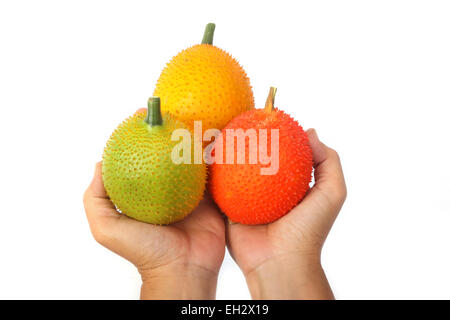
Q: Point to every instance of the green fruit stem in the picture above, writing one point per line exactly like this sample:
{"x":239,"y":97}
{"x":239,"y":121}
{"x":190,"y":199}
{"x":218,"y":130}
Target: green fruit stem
{"x":209,"y":33}
{"x":154,"y":117}
{"x":270,"y":100}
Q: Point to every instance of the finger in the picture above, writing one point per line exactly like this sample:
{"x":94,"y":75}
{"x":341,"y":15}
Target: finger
{"x":322,"y":203}
{"x":96,"y":201}
{"x":99,"y":208}
{"x":329,"y":178}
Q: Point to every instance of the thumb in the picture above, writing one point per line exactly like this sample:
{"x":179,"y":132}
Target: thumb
{"x":100,"y":211}
{"x":329,"y":178}
{"x":323,"y":202}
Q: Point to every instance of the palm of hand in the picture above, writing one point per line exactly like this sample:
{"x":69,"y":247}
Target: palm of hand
{"x":251,"y":246}
{"x":198,"y":240}
{"x":304,"y":229}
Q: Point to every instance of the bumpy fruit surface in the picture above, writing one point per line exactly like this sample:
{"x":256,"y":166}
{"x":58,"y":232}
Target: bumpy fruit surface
{"x":140,"y":177}
{"x":204,"y":83}
{"x":242,"y":192}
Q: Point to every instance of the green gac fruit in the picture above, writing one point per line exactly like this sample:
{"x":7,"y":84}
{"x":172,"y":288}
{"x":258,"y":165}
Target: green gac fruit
{"x":138,"y":172}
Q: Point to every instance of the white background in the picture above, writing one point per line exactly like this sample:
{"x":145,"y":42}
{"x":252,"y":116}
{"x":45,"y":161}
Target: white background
{"x":373,"y":77}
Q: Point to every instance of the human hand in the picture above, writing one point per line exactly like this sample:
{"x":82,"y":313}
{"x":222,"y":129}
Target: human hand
{"x":179,"y":261}
{"x":281,"y":260}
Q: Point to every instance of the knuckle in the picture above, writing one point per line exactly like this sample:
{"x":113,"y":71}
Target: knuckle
{"x":343,"y":194}
{"x":341,"y":189}
{"x":334,"y":154}
{"x":85,"y":196}
{"x":99,"y":235}
{"x":340,"y":194}
{"x":336,"y":196}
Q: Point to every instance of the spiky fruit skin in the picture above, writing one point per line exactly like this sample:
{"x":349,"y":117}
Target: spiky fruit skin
{"x":248,"y":197}
{"x":140,"y":177}
{"x":204,"y":83}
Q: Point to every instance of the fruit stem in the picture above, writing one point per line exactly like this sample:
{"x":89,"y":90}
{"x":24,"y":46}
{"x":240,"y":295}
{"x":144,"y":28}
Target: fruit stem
{"x":270,"y":100}
{"x":154,"y":117}
{"x":209,"y":33}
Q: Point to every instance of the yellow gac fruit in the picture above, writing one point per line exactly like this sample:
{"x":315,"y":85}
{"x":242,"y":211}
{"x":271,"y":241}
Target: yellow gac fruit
{"x":204,"y":83}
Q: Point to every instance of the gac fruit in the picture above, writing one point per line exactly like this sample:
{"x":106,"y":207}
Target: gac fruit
{"x":241,"y":191}
{"x":138,"y":172}
{"x":204,"y":83}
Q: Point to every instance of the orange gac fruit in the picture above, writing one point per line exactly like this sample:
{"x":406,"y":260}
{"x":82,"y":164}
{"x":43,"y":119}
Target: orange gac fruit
{"x":241,"y":191}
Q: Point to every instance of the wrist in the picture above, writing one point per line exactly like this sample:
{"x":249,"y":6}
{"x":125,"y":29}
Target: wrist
{"x":178,"y":282}
{"x":289,"y":277}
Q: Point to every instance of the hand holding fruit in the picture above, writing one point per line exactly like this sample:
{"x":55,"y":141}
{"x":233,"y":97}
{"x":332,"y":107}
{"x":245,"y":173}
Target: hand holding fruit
{"x":180,"y":261}
{"x":281,"y":260}
{"x":277,"y":244}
